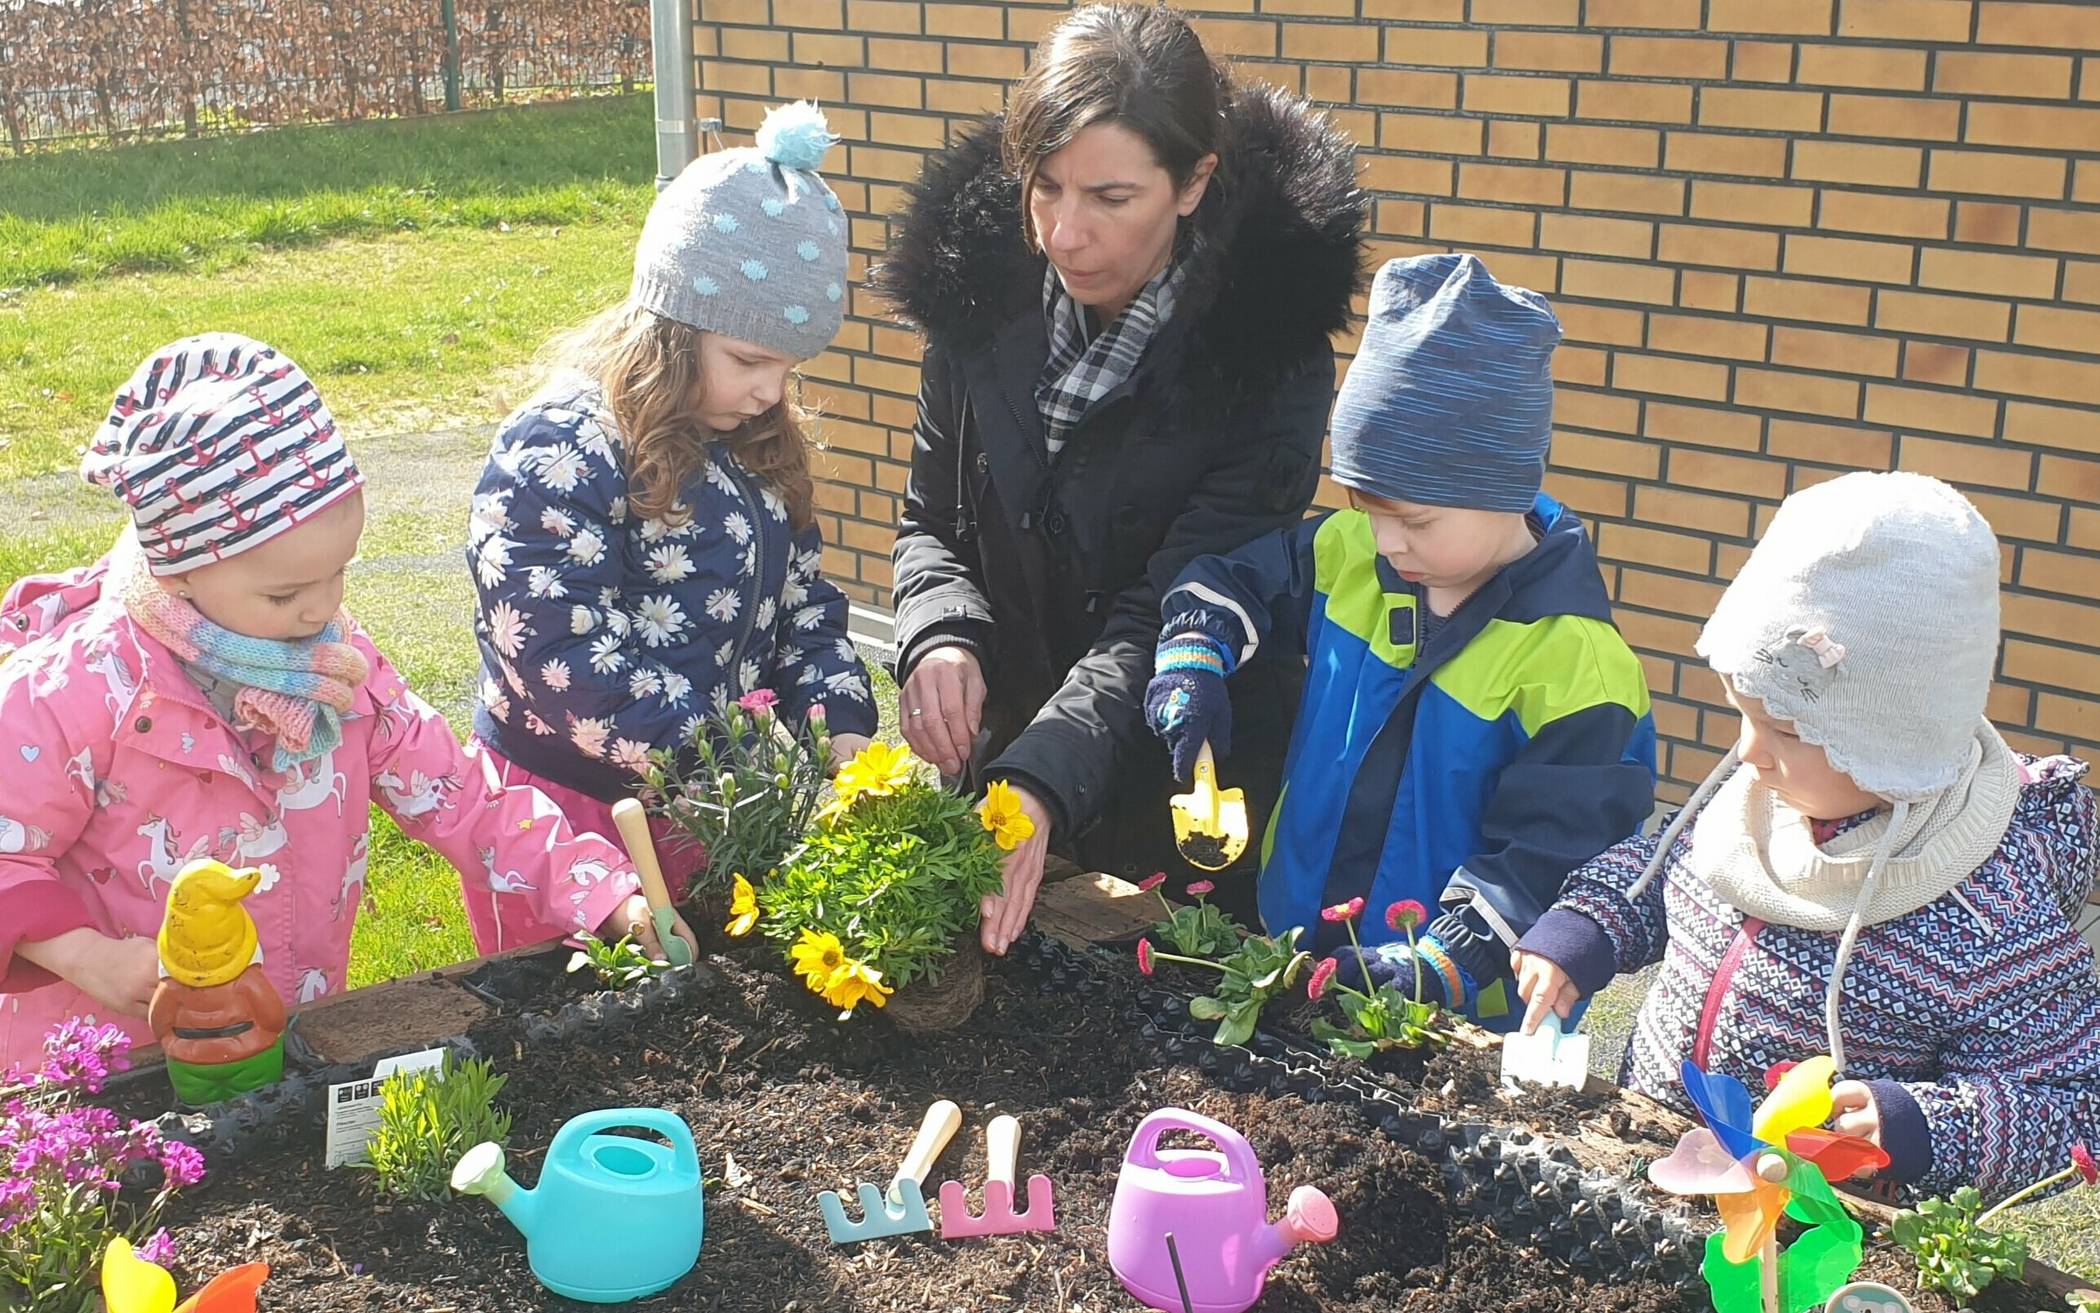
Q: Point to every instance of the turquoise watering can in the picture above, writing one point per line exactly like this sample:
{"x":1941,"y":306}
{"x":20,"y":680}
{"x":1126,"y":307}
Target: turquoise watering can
{"x":613,"y":1218}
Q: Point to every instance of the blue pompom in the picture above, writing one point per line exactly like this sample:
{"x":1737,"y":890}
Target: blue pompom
{"x":795,"y":136}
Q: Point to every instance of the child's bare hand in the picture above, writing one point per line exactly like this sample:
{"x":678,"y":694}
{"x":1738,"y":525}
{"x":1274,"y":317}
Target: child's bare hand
{"x":1543,"y":986}
{"x":845,"y":747}
{"x":119,"y":974}
{"x":1857,"y":1113}
{"x":633,"y":917}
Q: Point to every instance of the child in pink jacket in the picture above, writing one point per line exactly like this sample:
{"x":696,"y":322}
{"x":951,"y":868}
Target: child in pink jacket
{"x":199,"y":692}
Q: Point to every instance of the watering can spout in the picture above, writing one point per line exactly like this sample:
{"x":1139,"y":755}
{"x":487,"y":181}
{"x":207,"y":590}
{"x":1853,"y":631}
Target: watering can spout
{"x":480,"y":1171}
{"x":1309,"y":1218}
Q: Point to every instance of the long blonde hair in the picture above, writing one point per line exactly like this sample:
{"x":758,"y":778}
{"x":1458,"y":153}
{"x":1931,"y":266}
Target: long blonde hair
{"x":648,"y":367}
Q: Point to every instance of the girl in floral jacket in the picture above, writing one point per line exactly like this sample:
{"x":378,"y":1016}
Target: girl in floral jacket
{"x":643,"y":537}
{"x":199,"y":693}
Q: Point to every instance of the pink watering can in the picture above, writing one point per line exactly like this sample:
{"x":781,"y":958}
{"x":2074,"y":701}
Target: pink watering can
{"x":1189,"y":1229}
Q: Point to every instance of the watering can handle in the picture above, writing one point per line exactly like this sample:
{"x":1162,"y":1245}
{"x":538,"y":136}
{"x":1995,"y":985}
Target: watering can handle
{"x":1144,"y":1143}
{"x":569,"y":1139}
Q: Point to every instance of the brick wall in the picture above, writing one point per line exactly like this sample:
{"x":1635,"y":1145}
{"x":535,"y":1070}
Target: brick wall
{"x":1788,"y":238}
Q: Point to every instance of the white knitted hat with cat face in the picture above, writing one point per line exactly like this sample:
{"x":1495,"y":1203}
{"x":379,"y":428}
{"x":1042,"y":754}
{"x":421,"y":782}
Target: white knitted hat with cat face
{"x":1868,"y":616}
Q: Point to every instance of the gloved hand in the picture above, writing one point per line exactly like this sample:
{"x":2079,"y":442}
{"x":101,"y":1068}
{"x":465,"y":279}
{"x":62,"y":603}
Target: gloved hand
{"x":1186,"y":703}
{"x":1395,"y":962}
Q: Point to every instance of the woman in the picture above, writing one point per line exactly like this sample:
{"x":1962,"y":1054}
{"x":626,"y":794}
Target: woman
{"x":1127,"y":288}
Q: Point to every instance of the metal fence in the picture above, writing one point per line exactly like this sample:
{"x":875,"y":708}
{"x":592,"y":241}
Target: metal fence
{"x":121,"y":70}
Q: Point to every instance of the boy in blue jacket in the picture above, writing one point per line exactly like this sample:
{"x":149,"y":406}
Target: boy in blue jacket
{"x":1474,"y":728}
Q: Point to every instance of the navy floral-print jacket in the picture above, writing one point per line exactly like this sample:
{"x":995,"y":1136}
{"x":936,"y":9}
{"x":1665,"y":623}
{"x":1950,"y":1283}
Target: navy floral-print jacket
{"x":604,"y":635}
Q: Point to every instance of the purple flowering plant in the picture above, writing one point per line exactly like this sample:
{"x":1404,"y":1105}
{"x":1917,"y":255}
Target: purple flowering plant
{"x":63,"y":1163}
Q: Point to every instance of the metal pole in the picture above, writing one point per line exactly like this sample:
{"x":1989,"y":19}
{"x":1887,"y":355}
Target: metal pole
{"x":671,"y":37}
{"x":450,"y":9}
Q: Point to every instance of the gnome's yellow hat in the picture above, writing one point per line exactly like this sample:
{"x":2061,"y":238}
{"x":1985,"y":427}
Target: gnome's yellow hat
{"x":207,"y":937}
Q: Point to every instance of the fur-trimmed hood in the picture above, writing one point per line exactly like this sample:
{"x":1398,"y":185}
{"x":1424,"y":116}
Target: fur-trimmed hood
{"x":1271,"y":266}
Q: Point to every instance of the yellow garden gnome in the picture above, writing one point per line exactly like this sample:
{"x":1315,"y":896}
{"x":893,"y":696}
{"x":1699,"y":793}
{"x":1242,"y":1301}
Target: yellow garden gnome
{"x":219,"y":1021}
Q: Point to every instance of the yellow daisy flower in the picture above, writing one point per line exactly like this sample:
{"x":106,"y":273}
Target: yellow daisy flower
{"x":1002,"y":815}
{"x":743,"y":908}
{"x":856,"y":983}
{"x":818,"y":956}
{"x":878,"y":771}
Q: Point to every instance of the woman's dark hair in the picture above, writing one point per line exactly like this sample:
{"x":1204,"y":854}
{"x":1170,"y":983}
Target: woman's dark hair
{"x":1138,"y":65}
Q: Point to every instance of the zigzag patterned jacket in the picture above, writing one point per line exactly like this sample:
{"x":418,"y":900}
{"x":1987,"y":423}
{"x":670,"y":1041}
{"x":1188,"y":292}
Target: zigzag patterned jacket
{"x":1975,"y":1019}
{"x":604,"y":635}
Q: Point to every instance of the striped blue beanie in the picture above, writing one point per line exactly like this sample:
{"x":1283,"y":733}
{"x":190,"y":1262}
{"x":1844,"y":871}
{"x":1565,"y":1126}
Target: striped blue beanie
{"x":1449,"y":401}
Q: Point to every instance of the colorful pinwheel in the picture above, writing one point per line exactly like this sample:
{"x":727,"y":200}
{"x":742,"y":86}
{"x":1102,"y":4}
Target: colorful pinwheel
{"x":1759,"y":1166}
{"x":130,"y":1284}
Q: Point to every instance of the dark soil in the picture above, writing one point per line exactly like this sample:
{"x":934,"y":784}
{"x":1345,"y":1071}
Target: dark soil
{"x":761,"y":1071}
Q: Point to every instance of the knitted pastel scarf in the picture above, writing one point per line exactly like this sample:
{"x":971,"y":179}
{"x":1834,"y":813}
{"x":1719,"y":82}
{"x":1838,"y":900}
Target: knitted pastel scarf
{"x":296,"y":692}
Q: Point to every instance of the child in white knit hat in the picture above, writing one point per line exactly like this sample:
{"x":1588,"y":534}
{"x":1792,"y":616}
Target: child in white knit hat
{"x":200,"y":693}
{"x":1871,"y":872}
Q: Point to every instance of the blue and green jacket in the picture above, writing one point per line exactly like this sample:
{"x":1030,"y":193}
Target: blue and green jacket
{"x":1471,"y":773}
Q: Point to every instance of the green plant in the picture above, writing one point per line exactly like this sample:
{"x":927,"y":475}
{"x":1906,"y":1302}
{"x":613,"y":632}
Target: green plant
{"x":1950,"y":1239}
{"x":617,"y":965}
{"x":746,"y":787}
{"x":1258,"y":970}
{"x":1199,"y":928}
{"x":877,"y":895}
{"x":1379,"y":1015}
{"x":427,"y":1120}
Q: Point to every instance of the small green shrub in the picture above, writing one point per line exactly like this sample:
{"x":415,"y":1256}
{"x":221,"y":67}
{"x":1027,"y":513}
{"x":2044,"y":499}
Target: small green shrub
{"x":426,"y":1123}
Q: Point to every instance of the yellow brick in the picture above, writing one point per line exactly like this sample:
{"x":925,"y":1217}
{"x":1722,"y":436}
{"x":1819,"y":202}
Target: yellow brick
{"x":1413,"y":177}
{"x":1601,"y":281}
{"x":1400,"y":218}
{"x":745,"y":79}
{"x":1792,"y":298}
{"x":1830,"y":444}
{"x":1762,"y":61}
{"x":829,"y":51}
{"x":1513,"y":183}
{"x":1417,"y":11}
{"x":985,"y":61}
{"x":1030,"y":25}
{"x":1347,"y":43}
{"x":1643,"y":13}
{"x":892,"y":16}
{"x":1733,"y":248}
{"x":823,"y":15}
{"x":981,"y":21}
{"x":1601,"y":325}
{"x":1669,"y":551}
{"x":2070,"y":26}
{"x":1742,"y":475}
{"x":1884,"y":215}
{"x":1467,"y":225}
{"x":1311,"y":8}
{"x":2071,"y":716}
{"x":2060,"y":572}
{"x":1885,"y":68}
{"x":1439,"y":47}
{"x":1637,"y":102}
{"x":906,"y":55}
{"x":1587,"y":366}
{"x":1677,"y":378}
{"x":1747,"y":202}
{"x":2086,"y":187}
{"x":753,"y":12}
{"x":1699,"y":335}
{"x":2084,"y":529}
{"x":927,"y":132}
{"x":1995,"y":174}
{"x":2052,"y":426}
{"x":1582,"y":451}
{"x":1911,"y":21}
{"x":1601,"y":410}
{"x":1549,"y":52}
{"x":1932,"y":411}
{"x":1800,"y":394}
{"x":967,"y":98}
{"x":1844,"y":257}
{"x":1511,"y":139}
{"x":887,"y":165}
{"x":2064,"y":230}
{"x":883,"y":89}
{"x":1590,"y":235}
{"x":1581,"y":143}
{"x":1767,"y":111}
{"x":1688,"y":510}
{"x":2043,"y":377}
{"x":1987,"y":224}
{"x":1990,"y":464}
{"x":1489,"y":93}
{"x":1434,"y":134}
{"x":1587,"y":496}
{"x":2082,"y":282}
{"x":1992,"y":123}
{"x":1943,"y":316}
{"x":1902,"y":117}
{"x":1709,"y":152}
{"x":1852,"y":162}
{"x":2070,"y":478}
{"x":1936,"y":362}
{"x":1668,"y":56}
{"x":1389,"y":86}
{"x":1788,"y":17}
{"x":1989,"y":272}
{"x":752,"y":44}
{"x":1969,"y":73}
{"x":1526,"y":13}
{"x":1844,"y":353}
{"x":2055,"y":328}
{"x":796,"y":83}
{"x":1700,"y":289}
{"x":1541,"y":273}
{"x":1638,"y":193}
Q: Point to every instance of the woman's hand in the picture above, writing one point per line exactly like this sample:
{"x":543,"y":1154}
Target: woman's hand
{"x":633,"y":917}
{"x":1006,"y":912}
{"x":119,"y":974}
{"x":1542,"y":985}
{"x":941,"y":706}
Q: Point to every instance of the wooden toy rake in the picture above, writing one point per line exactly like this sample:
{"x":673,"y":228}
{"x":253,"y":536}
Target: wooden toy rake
{"x":901,"y":1209}
{"x":1002,"y":1141}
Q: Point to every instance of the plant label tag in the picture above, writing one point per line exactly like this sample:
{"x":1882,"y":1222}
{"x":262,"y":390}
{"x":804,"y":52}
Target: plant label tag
{"x":353,"y":1106}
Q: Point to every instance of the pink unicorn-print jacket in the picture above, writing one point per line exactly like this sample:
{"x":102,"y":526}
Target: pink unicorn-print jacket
{"x":118,"y":772}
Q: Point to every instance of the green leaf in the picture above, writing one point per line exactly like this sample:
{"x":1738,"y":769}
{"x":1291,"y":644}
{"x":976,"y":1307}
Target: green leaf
{"x":1205,"y":1008}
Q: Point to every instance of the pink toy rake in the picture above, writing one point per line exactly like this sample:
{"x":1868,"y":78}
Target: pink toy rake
{"x":1002,"y":1149}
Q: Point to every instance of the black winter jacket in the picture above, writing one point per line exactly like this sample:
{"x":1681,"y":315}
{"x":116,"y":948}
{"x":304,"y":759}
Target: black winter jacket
{"x":1053,"y":572}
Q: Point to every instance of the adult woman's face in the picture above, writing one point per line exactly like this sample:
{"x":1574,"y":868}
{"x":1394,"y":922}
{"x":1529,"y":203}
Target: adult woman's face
{"x":1104,"y":211}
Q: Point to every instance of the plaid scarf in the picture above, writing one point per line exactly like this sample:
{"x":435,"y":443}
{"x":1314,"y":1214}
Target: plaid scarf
{"x":1081,"y":372}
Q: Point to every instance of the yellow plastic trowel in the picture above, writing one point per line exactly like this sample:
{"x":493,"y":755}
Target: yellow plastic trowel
{"x":1210,"y":828}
